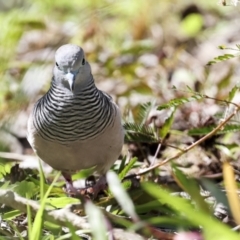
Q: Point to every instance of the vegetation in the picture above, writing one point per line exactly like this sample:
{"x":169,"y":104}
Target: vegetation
{"x":172,"y":67}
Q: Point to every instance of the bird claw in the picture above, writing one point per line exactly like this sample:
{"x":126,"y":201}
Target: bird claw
{"x":89,"y":192}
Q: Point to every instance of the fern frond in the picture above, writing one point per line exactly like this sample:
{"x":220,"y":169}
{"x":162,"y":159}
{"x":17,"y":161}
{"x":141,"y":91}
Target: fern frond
{"x":205,"y":130}
{"x":221,"y":58}
{"x":180,"y":101}
{"x":143,"y":113}
{"x":233,"y":92}
{"x":135,"y":132}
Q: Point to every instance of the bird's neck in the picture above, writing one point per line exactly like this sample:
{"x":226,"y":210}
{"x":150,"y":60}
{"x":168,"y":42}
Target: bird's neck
{"x":80,"y":86}
{"x":83,"y":84}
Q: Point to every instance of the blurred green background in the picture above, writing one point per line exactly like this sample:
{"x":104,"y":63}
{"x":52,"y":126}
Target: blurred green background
{"x":138,"y":50}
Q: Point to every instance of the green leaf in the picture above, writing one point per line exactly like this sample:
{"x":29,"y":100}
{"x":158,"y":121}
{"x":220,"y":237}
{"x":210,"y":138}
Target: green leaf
{"x":120,"y":194}
{"x":150,"y":205}
{"x":225,"y":80}
{"x":42,"y":181}
{"x":192,"y":24}
{"x":233,"y":91}
{"x":206,"y":130}
{"x":222,"y":47}
{"x":122,"y":165}
{"x":53,"y":227}
{"x":170,"y":222}
{"x":6,"y":185}
{"x":48,"y":237}
{"x":60,"y":202}
{"x":5,"y":167}
{"x":127,"y":184}
{"x":127,"y":168}
{"x":191,"y":187}
{"x":216,"y":192}
{"x":29,"y":218}
{"x":25,"y":187}
{"x":11,"y":214}
{"x":84,"y":173}
{"x":212,"y":228}
{"x":38,"y":221}
{"x":97,"y":221}
{"x":165,"y":128}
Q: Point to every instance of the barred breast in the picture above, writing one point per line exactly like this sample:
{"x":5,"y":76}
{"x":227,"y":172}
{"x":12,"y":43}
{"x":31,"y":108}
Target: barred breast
{"x":76,"y":131}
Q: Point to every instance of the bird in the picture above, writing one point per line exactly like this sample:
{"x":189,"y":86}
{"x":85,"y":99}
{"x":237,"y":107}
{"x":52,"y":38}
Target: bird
{"x":75,"y":126}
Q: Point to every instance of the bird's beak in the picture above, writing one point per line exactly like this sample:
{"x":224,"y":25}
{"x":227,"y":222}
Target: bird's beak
{"x":71,"y":80}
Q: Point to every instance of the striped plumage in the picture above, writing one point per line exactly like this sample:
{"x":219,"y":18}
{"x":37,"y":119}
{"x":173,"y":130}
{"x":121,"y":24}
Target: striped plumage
{"x":74,"y":125}
{"x":81,"y":121}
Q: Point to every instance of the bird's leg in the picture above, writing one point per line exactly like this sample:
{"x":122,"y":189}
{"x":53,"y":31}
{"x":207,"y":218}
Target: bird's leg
{"x":69,"y":184}
{"x":71,"y":190}
{"x":100,"y":185}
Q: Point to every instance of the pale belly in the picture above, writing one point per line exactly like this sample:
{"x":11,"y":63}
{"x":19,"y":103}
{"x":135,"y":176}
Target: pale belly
{"x":101,"y":151}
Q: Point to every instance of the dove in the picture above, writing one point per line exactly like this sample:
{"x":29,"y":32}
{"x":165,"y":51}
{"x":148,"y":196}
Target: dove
{"x":75,"y":125}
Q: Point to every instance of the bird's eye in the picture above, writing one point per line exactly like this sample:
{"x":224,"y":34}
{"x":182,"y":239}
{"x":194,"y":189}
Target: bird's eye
{"x":83,"y":61}
{"x":57,"y":64}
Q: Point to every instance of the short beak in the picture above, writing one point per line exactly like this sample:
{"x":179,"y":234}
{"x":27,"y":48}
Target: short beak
{"x":71,"y":80}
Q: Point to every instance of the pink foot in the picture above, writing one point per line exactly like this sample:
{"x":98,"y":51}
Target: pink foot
{"x":100,"y":185}
{"x":71,"y":190}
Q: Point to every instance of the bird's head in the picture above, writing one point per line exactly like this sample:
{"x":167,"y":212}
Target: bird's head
{"x":71,"y":69}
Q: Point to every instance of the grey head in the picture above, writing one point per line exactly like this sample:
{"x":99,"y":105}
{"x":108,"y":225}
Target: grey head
{"x":71,"y":70}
